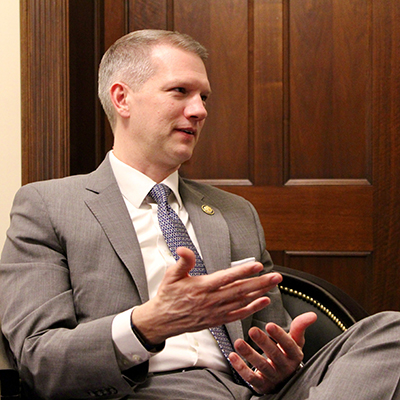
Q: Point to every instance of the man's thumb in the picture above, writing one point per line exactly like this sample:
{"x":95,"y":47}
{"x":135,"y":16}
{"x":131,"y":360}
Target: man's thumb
{"x":185,"y":263}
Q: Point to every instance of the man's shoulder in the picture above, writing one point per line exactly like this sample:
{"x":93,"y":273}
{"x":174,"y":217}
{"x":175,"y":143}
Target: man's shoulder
{"x":212,"y":193}
{"x":99,"y":178}
{"x":59,"y":184}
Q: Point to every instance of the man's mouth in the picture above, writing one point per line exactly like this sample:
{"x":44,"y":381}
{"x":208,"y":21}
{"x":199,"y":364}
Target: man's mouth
{"x":188,"y":131}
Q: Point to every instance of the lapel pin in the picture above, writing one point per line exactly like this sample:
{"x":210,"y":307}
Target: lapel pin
{"x":207,"y":209}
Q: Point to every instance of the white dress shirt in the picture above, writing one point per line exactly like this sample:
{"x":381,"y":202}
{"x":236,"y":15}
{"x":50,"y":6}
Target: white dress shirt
{"x":198,"y":349}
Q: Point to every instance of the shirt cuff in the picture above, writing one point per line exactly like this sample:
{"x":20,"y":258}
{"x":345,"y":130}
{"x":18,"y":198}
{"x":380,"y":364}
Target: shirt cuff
{"x":130,"y":351}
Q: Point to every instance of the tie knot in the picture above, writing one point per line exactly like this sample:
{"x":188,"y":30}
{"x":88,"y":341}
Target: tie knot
{"x":159,"y":193}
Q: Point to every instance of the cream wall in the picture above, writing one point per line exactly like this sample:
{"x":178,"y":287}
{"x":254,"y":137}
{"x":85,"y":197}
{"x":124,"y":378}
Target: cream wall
{"x":10,"y":105}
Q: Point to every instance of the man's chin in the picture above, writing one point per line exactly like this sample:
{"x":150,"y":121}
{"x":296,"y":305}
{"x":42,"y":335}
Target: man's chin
{"x":183,"y":155}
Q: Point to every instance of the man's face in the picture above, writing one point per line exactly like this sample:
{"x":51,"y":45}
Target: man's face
{"x":168,"y":112}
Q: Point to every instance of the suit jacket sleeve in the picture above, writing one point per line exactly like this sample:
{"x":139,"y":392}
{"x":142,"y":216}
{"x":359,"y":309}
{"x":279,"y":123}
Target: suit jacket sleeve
{"x":61,"y":351}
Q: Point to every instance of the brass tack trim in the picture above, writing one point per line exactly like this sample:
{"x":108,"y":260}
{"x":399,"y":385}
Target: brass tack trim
{"x":316,"y":304}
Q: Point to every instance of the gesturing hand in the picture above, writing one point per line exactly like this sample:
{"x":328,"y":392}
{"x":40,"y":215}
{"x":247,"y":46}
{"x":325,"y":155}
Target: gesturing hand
{"x":282,"y":353}
{"x":191,"y":303}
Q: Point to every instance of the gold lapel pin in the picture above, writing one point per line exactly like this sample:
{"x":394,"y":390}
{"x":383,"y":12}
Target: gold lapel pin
{"x":207,"y":209}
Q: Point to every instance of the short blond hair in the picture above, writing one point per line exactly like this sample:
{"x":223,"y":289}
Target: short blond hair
{"x":129,"y":60}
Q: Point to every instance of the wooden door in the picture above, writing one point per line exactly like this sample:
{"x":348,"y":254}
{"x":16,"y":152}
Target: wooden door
{"x":303,"y":121}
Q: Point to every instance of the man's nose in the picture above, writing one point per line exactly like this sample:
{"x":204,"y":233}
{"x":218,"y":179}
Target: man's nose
{"x":196,"y":109}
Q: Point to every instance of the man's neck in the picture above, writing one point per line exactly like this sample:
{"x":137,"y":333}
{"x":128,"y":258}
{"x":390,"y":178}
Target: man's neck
{"x":154,"y":171}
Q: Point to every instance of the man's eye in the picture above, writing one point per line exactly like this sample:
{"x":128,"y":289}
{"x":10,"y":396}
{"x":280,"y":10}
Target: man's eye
{"x":180,"y":90}
{"x":204,"y":98}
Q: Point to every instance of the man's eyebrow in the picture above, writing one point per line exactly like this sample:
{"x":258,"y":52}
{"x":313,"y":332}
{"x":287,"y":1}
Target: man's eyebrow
{"x":183,"y":82}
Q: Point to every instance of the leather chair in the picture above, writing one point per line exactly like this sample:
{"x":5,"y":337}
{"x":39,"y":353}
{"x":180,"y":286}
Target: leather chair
{"x":336,"y":310}
{"x":301,"y":292}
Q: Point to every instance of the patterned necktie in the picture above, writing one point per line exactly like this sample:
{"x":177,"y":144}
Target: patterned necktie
{"x":176,"y":235}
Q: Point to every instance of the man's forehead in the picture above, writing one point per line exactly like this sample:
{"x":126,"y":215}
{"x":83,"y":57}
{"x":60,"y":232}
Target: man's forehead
{"x":178,"y":63}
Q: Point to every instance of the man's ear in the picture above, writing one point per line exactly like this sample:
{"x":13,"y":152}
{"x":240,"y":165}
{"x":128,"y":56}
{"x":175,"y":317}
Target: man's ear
{"x":119,"y":93}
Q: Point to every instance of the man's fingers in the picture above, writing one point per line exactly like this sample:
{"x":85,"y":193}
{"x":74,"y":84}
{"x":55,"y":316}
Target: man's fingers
{"x":261,"y":382}
{"x":299,"y":326}
{"x":234,"y":274}
{"x":241,"y":280}
{"x":241,"y":313}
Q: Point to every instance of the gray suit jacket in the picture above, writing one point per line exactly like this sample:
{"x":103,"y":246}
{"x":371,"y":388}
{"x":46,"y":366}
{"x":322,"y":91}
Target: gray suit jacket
{"x":72,"y":261}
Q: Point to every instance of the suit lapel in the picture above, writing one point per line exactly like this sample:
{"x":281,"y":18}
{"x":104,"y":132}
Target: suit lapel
{"x":213,"y":236}
{"x":107,"y":205}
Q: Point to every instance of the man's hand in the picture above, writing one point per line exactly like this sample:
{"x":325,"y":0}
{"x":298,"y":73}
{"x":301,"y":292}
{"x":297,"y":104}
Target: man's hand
{"x":187,"y":303}
{"x":282,"y":353}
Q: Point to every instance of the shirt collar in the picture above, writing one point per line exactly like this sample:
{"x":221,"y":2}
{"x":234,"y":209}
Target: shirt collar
{"x":135,"y":185}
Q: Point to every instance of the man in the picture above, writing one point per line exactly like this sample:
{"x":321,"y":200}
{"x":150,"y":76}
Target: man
{"x":93,"y":302}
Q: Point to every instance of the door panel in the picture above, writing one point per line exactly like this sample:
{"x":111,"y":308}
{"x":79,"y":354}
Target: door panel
{"x":329,"y":77}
